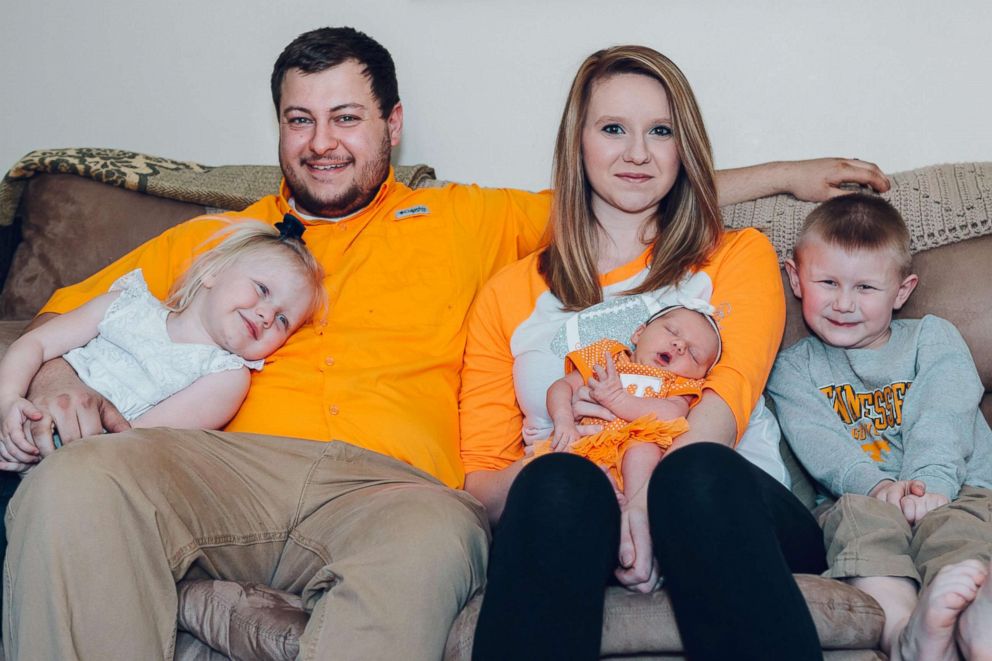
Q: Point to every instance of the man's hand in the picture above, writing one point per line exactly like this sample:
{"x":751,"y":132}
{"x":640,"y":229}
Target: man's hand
{"x":820,"y":179}
{"x":69,"y":406}
{"x":915,"y":507}
{"x":638,"y":570}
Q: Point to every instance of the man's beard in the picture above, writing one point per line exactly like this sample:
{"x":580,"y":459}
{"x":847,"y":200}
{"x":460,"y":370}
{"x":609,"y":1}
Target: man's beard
{"x":358,"y":195}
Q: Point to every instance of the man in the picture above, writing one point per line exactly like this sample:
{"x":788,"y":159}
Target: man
{"x":371,"y":531}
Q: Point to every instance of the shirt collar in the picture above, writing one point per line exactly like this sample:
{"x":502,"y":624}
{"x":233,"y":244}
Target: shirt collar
{"x":286,"y":205}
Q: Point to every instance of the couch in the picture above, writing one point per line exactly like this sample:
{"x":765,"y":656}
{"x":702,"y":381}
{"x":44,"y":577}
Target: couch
{"x":67,"y":213}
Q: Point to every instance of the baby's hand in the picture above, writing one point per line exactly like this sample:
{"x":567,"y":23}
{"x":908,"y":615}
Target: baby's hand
{"x":564,"y":435}
{"x":16,"y":451}
{"x":915,"y":507}
{"x":605,"y":386}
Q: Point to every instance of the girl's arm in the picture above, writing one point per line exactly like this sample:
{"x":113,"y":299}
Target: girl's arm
{"x":50,"y":340}
{"x":208,"y":403}
{"x":25,"y":357}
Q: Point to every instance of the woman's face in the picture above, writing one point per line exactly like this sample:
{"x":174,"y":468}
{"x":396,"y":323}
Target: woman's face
{"x":628,"y":150}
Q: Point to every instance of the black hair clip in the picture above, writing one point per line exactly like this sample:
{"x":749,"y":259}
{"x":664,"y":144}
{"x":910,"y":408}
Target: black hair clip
{"x":291,"y":228}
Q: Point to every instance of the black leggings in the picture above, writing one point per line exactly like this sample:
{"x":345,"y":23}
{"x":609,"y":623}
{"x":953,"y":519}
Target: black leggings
{"x":726,"y":535}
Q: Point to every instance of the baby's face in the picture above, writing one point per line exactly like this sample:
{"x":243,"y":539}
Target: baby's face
{"x":681,"y":341}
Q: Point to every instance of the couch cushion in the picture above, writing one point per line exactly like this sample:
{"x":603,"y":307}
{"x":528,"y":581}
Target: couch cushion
{"x":72,"y":228}
{"x":644,"y":624}
{"x":251,"y":621}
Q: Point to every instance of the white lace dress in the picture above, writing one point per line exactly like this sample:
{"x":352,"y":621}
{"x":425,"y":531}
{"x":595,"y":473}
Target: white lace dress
{"x":133,"y":362}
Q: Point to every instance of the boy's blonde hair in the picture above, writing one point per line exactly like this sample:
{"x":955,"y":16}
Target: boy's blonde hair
{"x":242,"y":240}
{"x":859,"y":222}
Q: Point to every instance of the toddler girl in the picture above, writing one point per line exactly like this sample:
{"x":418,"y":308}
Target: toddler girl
{"x":649,"y":391}
{"x":181,"y":364}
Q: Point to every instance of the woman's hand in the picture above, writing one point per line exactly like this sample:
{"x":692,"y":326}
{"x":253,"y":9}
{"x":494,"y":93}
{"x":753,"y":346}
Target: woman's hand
{"x":638,"y":570}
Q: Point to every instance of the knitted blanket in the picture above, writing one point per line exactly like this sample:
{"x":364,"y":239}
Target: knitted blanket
{"x":942,"y":204}
{"x":227,"y":187}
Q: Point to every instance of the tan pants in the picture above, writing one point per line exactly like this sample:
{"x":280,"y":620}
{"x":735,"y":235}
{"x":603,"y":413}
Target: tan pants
{"x":867,"y":537}
{"x":384,"y":555}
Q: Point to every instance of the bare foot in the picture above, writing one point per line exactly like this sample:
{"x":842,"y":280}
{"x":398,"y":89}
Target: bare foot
{"x":930,"y":632}
{"x":975,"y":626}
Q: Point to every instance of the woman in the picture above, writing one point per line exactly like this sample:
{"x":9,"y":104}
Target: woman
{"x":635,"y":223}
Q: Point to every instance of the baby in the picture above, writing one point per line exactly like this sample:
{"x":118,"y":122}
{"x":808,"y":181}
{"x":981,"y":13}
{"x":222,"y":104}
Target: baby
{"x":181,"y":364}
{"x":649,"y":391}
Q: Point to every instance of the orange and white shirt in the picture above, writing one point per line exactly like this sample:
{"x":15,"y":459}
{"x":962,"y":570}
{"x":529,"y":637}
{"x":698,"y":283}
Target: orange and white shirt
{"x":383,"y":371}
{"x":519,"y":335}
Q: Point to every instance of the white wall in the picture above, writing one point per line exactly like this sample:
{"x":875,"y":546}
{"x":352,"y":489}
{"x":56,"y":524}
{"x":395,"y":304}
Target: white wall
{"x":903,"y":83}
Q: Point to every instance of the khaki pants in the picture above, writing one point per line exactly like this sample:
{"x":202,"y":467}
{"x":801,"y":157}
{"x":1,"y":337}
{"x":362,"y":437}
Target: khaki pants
{"x":384,"y":555}
{"x":867,"y":537}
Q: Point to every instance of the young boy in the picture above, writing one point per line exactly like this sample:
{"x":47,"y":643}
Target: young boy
{"x":884,"y":415}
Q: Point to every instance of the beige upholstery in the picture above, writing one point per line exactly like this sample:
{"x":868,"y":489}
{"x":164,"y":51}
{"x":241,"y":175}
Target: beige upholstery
{"x":71,"y":227}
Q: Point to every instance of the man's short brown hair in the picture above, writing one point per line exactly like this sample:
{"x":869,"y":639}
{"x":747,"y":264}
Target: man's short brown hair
{"x":859,"y":221}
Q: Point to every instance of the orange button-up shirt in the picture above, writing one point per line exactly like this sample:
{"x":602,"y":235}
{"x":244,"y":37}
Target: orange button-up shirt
{"x":382,"y":372}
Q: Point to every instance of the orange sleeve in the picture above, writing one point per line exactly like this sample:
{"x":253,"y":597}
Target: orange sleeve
{"x":489,"y":417}
{"x":747,"y":291}
{"x":585,"y":359}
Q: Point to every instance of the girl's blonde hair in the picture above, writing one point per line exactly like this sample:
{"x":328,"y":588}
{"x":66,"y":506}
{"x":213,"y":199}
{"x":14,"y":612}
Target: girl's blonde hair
{"x":687,"y":224}
{"x":242,"y":240}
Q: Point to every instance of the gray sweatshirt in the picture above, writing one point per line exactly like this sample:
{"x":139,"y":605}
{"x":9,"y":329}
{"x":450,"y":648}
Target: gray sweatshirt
{"x":905,"y":411}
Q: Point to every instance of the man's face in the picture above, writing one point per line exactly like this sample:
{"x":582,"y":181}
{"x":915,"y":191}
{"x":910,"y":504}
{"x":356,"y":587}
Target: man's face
{"x":334,"y":145}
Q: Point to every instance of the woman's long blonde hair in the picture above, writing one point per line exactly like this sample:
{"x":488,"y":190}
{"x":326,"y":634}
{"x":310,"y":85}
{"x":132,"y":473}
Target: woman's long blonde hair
{"x":687,"y":224}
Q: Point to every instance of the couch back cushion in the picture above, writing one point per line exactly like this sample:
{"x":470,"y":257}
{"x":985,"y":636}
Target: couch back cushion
{"x":71,"y":228}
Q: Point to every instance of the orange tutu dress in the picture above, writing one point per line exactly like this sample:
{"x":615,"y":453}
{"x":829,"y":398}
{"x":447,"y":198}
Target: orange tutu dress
{"x":608,"y":446}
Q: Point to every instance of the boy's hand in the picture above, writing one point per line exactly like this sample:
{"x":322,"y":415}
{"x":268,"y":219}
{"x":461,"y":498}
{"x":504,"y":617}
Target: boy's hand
{"x":564,"y":435}
{"x":15,"y":447}
{"x":915,"y":507}
{"x":605,"y":386}
{"x":893,"y":491}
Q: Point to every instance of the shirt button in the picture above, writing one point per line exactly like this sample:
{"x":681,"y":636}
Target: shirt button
{"x":330,"y":361}
{"x":333,"y":409}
